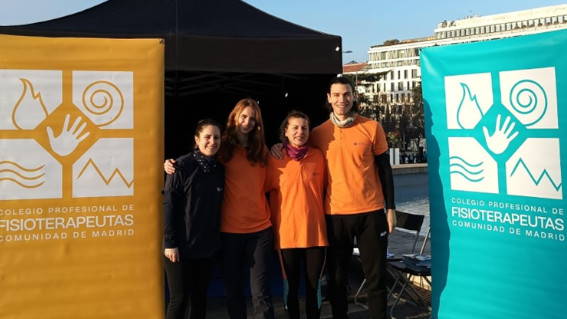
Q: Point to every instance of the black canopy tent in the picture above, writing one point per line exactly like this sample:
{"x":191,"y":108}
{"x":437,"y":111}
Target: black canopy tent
{"x":216,"y":52}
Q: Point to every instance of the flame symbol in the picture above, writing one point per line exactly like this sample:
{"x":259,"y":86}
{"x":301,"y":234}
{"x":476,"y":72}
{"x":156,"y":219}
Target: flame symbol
{"x":469,"y":112}
{"x":30,"y":109}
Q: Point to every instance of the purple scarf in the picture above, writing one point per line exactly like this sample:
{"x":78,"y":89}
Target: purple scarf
{"x":296,"y":153}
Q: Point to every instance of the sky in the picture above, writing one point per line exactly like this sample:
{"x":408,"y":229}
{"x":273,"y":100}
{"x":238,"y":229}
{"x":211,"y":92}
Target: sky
{"x":360,"y":23}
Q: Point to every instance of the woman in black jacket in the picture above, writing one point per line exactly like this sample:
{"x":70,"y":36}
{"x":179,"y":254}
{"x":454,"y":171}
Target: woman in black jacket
{"x":192,"y":201}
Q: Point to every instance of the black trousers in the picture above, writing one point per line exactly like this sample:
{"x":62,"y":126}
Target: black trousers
{"x":313,"y":259}
{"x":188,"y":281}
{"x":371,"y":233}
{"x":248,"y":253}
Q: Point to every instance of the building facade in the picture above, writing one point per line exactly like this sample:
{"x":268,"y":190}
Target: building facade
{"x":396,"y":67}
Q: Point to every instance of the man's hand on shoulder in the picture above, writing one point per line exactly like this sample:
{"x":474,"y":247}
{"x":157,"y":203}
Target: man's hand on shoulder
{"x":168,"y":166}
{"x":276,"y":150}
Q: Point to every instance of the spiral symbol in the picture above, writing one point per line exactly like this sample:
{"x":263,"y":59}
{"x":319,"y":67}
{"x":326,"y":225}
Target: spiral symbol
{"x":529,"y":100}
{"x":104,"y":101}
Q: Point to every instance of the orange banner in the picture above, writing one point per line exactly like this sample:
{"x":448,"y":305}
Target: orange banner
{"x":81,"y":147}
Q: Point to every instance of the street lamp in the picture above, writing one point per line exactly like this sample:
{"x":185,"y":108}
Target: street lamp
{"x":345,"y":52}
{"x":355,"y":72}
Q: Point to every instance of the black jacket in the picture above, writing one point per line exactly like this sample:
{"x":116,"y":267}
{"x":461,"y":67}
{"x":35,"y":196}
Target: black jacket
{"x":192,"y":205}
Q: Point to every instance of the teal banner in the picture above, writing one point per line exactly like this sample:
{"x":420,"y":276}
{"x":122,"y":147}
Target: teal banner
{"x":496,"y":129}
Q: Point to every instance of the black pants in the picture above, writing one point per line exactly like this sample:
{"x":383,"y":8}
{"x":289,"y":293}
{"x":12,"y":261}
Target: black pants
{"x":371,"y":232}
{"x":188,"y":281}
{"x":249,"y":253}
{"x":314,"y":260}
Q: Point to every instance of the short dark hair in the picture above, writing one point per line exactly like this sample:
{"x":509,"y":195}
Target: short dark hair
{"x":340,"y":79}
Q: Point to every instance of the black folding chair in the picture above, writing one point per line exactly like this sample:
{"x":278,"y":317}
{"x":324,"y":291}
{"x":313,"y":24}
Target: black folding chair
{"x":405,"y":270}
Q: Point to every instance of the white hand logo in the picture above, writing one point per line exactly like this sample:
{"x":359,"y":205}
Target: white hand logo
{"x":67,"y":141}
{"x":501,"y":138}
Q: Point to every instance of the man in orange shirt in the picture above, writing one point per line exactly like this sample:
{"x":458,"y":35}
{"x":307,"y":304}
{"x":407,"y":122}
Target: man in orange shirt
{"x":360,"y":186}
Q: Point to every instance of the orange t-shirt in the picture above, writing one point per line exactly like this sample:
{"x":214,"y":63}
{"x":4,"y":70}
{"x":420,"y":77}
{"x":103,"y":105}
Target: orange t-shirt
{"x":244,"y":207}
{"x":296,"y":200}
{"x":353,"y":183}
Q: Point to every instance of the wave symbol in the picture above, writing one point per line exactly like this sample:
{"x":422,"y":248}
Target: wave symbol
{"x":107,"y":181}
{"x":25,"y":177}
{"x":472,"y":172}
{"x":544,"y":173}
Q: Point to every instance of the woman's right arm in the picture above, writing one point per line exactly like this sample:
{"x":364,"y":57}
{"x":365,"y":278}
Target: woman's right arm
{"x":171,"y":201}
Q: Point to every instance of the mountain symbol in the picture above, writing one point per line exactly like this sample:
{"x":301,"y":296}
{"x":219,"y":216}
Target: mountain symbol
{"x":521,"y":164}
{"x":107,"y":181}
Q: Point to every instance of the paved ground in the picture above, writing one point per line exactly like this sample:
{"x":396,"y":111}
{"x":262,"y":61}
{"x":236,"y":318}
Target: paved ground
{"x":399,"y":243}
{"x":411,"y":196}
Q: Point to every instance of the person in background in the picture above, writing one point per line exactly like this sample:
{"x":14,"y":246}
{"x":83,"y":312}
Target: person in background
{"x":296,"y":184}
{"x":246,"y":229}
{"x":192,"y":197}
{"x":359,"y":197}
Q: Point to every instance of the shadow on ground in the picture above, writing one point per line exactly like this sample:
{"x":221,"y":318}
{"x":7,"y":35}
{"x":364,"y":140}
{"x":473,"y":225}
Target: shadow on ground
{"x":399,"y":243}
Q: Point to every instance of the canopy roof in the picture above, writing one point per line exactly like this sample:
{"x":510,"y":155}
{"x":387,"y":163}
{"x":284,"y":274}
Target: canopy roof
{"x":216,"y":52}
{"x":203,"y":35}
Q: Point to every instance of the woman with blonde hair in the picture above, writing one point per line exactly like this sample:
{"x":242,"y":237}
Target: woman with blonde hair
{"x":246,"y":229}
